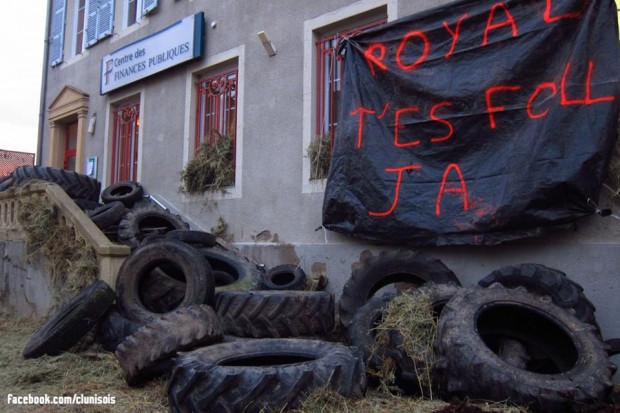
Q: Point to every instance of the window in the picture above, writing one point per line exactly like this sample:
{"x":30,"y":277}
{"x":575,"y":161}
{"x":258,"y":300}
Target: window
{"x":329,"y":75}
{"x":57,"y":32}
{"x":322,"y":70}
{"x":125,"y":133}
{"x":216,"y":109}
{"x":136,"y":10}
{"x":99,"y":20}
{"x":79,"y":27}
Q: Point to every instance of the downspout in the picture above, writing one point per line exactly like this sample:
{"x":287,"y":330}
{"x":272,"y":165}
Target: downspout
{"x":43,"y":85}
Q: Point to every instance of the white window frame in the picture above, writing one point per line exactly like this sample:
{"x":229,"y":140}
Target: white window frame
{"x":311,"y":28}
{"x":238,"y":54}
{"x":141,"y":11}
{"x":76,"y":16}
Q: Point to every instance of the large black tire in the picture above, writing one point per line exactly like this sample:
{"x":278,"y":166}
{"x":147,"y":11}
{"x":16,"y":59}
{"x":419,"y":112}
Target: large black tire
{"x":247,"y":376}
{"x":361,"y":331}
{"x":275,"y":314}
{"x":577,"y":368}
{"x":613,"y":346}
{"x":6,"y":182}
{"x":113,"y":329}
{"x":141,"y":222}
{"x":244,"y":275}
{"x":198,"y":239}
{"x":284,"y":277}
{"x":74,"y":184}
{"x":390,"y":267}
{"x":543,"y":280}
{"x":143,"y":354}
{"x":180,"y":259}
{"x":161,"y":292}
{"x":108,"y":215}
{"x":127,"y":192}
{"x":67,"y":326}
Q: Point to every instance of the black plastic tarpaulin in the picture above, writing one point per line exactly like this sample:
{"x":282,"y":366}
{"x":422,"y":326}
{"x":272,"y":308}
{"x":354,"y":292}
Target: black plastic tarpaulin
{"x":475,"y":123}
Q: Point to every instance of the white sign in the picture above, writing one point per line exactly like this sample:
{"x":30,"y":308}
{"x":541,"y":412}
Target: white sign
{"x":179,"y":43}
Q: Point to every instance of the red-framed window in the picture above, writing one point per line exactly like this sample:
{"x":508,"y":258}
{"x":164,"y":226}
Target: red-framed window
{"x":125,"y":133}
{"x":71,"y":132}
{"x":329,"y":76}
{"x":216,"y":109}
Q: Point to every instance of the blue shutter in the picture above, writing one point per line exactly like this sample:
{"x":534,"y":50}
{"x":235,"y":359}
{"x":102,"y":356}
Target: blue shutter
{"x":148,"y":6}
{"x":92,"y":9}
{"x":57,"y":32}
{"x":105,"y":19}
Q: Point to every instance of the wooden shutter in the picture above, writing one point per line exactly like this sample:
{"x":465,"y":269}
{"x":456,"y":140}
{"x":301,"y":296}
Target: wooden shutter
{"x":92,"y":10}
{"x":105,"y":19}
{"x":57,"y":32}
{"x":148,"y":6}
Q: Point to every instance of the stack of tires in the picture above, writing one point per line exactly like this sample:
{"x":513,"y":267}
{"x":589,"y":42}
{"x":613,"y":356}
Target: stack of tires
{"x":526,"y":333}
{"x":267,"y":342}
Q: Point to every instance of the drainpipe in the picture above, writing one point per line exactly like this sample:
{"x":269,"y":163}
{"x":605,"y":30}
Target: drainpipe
{"x":43,"y":85}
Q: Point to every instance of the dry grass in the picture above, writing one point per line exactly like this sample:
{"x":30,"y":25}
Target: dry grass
{"x":325,"y":401}
{"x":72,"y":263}
{"x":411,"y":316}
{"x":320,"y":155}
{"x":93,"y":372}
{"x":212,"y":169}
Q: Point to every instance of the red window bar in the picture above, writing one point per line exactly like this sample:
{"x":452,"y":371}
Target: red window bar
{"x":329,"y":74}
{"x":216,"y":109}
{"x":125,"y":143}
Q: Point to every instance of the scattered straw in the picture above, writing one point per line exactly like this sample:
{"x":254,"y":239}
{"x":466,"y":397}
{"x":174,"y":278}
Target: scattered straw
{"x":408,"y":323}
{"x":327,"y":401}
{"x":72,"y":263}
{"x":91,"y":373}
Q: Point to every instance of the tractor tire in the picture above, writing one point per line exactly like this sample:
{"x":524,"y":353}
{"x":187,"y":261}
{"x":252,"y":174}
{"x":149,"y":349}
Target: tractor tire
{"x":143,"y":354}
{"x":127,"y":192}
{"x":284,"y":277}
{"x":67,"y":326}
{"x":543,"y":280}
{"x":252,"y":375}
{"x":576,"y":367}
{"x":198,"y":239}
{"x":390,"y":267}
{"x":275,"y":314}
{"x":74,"y":184}
{"x":113,"y":329}
{"x":142,"y":222}
{"x":244,"y":274}
{"x":176,"y":258}
{"x":108,"y":215}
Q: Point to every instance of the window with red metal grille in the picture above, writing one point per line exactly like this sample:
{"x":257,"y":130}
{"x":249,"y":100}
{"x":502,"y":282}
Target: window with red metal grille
{"x":125,"y":133}
{"x":329,"y":76}
{"x":216,"y":110}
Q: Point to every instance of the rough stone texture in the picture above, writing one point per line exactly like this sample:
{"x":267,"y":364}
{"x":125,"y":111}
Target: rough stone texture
{"x":24,"y":282}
